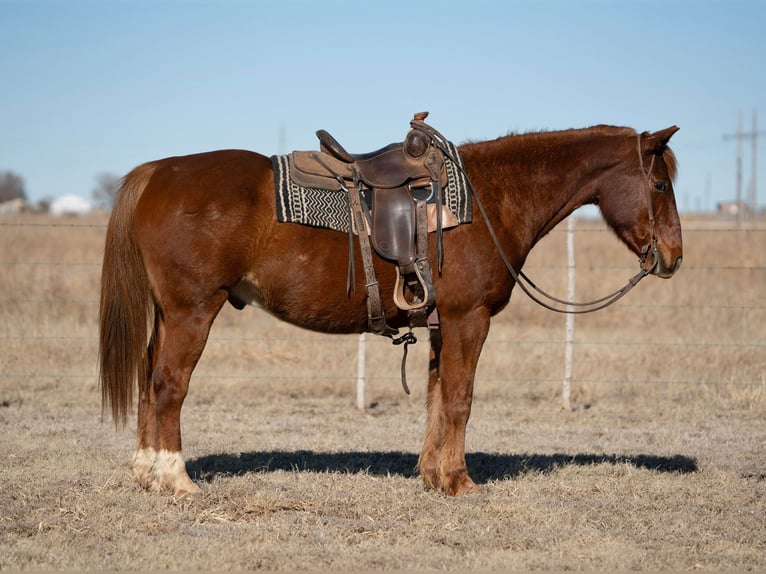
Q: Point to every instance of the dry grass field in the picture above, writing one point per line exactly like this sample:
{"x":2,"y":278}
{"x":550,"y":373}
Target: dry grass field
{"x":660,"y":465}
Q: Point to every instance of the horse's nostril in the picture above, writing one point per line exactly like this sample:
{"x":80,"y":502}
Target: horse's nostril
{"x":677,"y":264}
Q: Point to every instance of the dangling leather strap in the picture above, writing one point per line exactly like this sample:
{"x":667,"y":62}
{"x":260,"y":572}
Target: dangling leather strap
{"x":422,"y":261}
{"x":435,"y":163}
{"x":376,"y":318}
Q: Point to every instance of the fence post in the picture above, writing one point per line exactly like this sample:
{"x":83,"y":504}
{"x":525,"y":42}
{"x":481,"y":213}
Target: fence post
{"x":360,"y":377}
{"x":566,"y":391}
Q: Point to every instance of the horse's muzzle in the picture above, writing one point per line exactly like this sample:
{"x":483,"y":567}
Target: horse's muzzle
{"x":666,"y":271}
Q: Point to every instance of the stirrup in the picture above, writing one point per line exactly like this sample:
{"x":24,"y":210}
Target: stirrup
{"x":422,"y":272}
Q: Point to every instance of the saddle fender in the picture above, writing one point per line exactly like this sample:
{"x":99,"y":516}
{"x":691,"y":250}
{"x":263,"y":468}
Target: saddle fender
{"x":393,"y":224}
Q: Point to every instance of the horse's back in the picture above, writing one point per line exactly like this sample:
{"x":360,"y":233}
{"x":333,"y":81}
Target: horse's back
{"x":220,"y":185}
{"x":227,"y":171}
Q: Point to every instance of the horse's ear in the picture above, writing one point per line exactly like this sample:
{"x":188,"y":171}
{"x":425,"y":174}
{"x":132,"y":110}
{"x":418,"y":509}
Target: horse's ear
{"x":657,"y":142}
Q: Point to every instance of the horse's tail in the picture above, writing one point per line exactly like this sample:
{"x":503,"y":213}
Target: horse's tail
{"x":126,"y":302}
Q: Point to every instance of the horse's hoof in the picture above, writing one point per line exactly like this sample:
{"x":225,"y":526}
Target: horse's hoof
{"x":460,"y":484}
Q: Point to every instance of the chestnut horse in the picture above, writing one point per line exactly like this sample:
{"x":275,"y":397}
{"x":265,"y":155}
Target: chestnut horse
{"x":189,"y":233}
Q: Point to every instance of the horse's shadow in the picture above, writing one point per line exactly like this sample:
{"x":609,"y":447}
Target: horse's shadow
{"x":482,"y":466}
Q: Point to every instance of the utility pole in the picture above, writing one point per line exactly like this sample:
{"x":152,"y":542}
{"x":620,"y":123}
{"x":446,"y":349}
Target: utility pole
{"x":741,"y":136}
{"x":753,"y":192}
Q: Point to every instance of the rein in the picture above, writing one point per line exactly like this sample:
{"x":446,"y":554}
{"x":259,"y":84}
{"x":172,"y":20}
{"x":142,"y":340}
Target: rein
{"x":528,"y":286}
{"x":522,"y":280}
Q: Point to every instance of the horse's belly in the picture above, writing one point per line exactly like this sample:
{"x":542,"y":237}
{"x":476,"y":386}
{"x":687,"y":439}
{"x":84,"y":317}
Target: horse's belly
{"x":317,"y":310}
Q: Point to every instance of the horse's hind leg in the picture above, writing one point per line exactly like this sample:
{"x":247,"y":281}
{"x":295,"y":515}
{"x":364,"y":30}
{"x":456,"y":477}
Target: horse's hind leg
{"x":177,"y":344}
{"x":428,"y":462}
{"x":146,"y":432}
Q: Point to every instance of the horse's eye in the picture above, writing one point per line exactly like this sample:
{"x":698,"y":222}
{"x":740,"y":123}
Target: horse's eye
{"x":660,"y":186}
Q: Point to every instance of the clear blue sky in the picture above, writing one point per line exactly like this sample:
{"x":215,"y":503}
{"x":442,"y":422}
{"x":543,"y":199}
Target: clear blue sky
{"x":88,"y":87}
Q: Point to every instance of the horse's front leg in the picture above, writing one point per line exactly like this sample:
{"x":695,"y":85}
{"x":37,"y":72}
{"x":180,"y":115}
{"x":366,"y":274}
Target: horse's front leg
{"x":450,"y":393}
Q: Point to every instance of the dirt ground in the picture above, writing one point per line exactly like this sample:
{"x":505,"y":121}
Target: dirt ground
{"x":660,"y":465}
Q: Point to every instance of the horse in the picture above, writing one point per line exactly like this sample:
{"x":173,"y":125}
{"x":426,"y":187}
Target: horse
{"x":189,"y":233}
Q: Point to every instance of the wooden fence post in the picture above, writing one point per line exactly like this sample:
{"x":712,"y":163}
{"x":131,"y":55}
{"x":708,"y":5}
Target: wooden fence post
{"x":360,"y":376}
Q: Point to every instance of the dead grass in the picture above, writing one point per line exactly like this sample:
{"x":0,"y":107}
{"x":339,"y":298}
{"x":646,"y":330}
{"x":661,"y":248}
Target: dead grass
{"x":661,"y":466}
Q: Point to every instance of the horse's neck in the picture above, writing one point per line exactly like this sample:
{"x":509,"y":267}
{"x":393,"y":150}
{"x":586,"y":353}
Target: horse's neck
{"x":537,"y":181}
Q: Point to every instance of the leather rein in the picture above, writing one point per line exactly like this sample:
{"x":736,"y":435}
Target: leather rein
{"x":548,"y":301}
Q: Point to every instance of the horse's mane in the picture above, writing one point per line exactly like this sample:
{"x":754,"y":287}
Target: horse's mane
{"x":552,"y":137}
{"x":600,"y":129}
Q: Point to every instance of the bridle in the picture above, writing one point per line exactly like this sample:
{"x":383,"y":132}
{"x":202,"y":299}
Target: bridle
{"x":573,"y":307}
{"x":655,"y":251}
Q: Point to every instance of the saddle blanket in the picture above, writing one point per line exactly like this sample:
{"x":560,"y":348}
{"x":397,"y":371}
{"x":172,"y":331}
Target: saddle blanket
{"x":329,"y":208}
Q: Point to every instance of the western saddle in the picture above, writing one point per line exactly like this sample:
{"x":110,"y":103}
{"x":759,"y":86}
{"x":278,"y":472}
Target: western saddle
{"x":396,"y":195}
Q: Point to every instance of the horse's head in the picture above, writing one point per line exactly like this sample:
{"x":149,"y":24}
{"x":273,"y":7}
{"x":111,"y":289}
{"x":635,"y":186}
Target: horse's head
{"x":639,"y":204}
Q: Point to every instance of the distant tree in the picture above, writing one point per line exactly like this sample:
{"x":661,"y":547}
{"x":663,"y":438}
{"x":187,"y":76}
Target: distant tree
{"x":11,"y":187}
{"x":106,"y":190}
{"x":44,"y":205}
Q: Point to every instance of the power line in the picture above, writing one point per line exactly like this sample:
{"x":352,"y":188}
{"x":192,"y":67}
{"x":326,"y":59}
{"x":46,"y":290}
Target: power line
{"x":740,"y":136}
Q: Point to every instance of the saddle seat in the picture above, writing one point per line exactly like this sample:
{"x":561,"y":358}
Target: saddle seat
{"x":391,"y":166}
